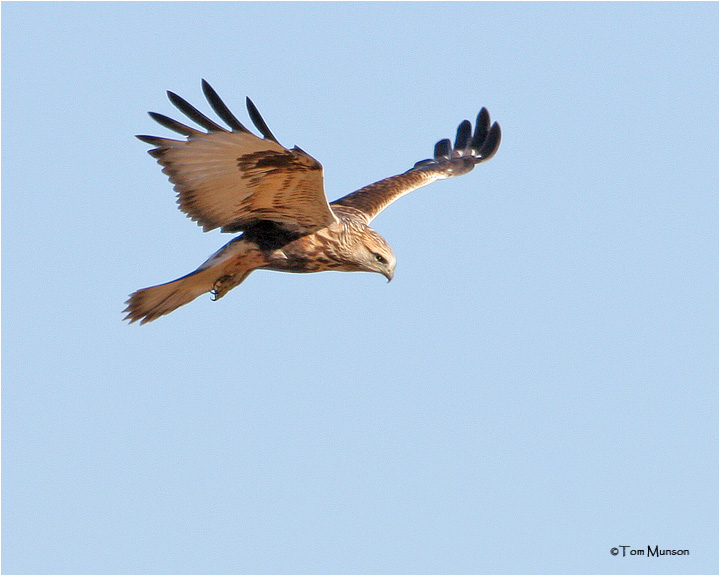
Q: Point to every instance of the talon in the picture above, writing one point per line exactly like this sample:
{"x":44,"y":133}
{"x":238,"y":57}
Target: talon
{"x":219,"y":288}
{"x":215,"y":292}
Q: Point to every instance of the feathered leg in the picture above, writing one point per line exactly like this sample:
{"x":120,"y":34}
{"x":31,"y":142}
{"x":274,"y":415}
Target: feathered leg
{"x":223,"y":271}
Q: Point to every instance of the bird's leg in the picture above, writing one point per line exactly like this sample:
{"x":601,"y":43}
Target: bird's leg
{"x":221,"y":287}
{"x":225,"y":283}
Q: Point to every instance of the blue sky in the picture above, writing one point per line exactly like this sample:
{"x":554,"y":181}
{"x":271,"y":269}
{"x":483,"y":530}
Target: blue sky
{"x":537,"y":385}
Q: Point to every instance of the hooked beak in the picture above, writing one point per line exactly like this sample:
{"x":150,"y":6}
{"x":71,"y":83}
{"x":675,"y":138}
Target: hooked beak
{"x":389,"y":274}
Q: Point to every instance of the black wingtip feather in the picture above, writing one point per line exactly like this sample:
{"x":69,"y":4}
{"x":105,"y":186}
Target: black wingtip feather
{"x":258,"y":121}
{"x":482,"y":125}
{"x":463,"y":135}
{"x":491,"y":143}
{"x":468,"y":150}
{"x":154,"y":140}
{"x":220,"y":108}
{"x":442,"y":149}
{"x":173,"y":125}
{"x":193,"y":113}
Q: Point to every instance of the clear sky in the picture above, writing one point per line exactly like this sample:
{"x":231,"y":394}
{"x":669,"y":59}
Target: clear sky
{"x":539,"y":383}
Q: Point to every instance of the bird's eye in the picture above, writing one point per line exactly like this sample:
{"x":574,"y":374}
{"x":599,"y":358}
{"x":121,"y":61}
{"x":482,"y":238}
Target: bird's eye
{"x":379,"y":258}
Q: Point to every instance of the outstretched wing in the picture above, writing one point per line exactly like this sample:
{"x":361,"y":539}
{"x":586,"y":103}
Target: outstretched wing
{"x":231,"y":179}
{"x":470,"y":149}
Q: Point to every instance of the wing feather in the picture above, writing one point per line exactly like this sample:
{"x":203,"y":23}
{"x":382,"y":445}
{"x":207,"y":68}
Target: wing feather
{"x":482,"y":126}
{"x":447,"y":162}
{"x":173,"y":125}
{"x":442,"y":149}
{"x":258,"y":121}
{"x":232,"y":179}
{"x":193,"y":113}
{"x":463,"y":135}
{"x":221,"y":109}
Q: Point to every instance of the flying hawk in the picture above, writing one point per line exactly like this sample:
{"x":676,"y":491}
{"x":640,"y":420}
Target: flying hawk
{"x":274,"y":196}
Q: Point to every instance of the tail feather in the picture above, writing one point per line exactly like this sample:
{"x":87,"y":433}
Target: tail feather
{"x":149,"y":304}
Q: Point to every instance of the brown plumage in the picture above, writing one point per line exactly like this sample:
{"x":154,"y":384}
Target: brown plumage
{"x":238,"y":182}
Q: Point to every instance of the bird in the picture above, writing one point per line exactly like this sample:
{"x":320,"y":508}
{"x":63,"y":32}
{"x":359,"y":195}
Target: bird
{"x":229,"y":178}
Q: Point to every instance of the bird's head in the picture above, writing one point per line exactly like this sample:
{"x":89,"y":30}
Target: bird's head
{"x":376,"y":255}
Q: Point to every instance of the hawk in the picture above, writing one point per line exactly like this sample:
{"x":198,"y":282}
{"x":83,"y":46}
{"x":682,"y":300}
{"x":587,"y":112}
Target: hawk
{"x":273,"y":196}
